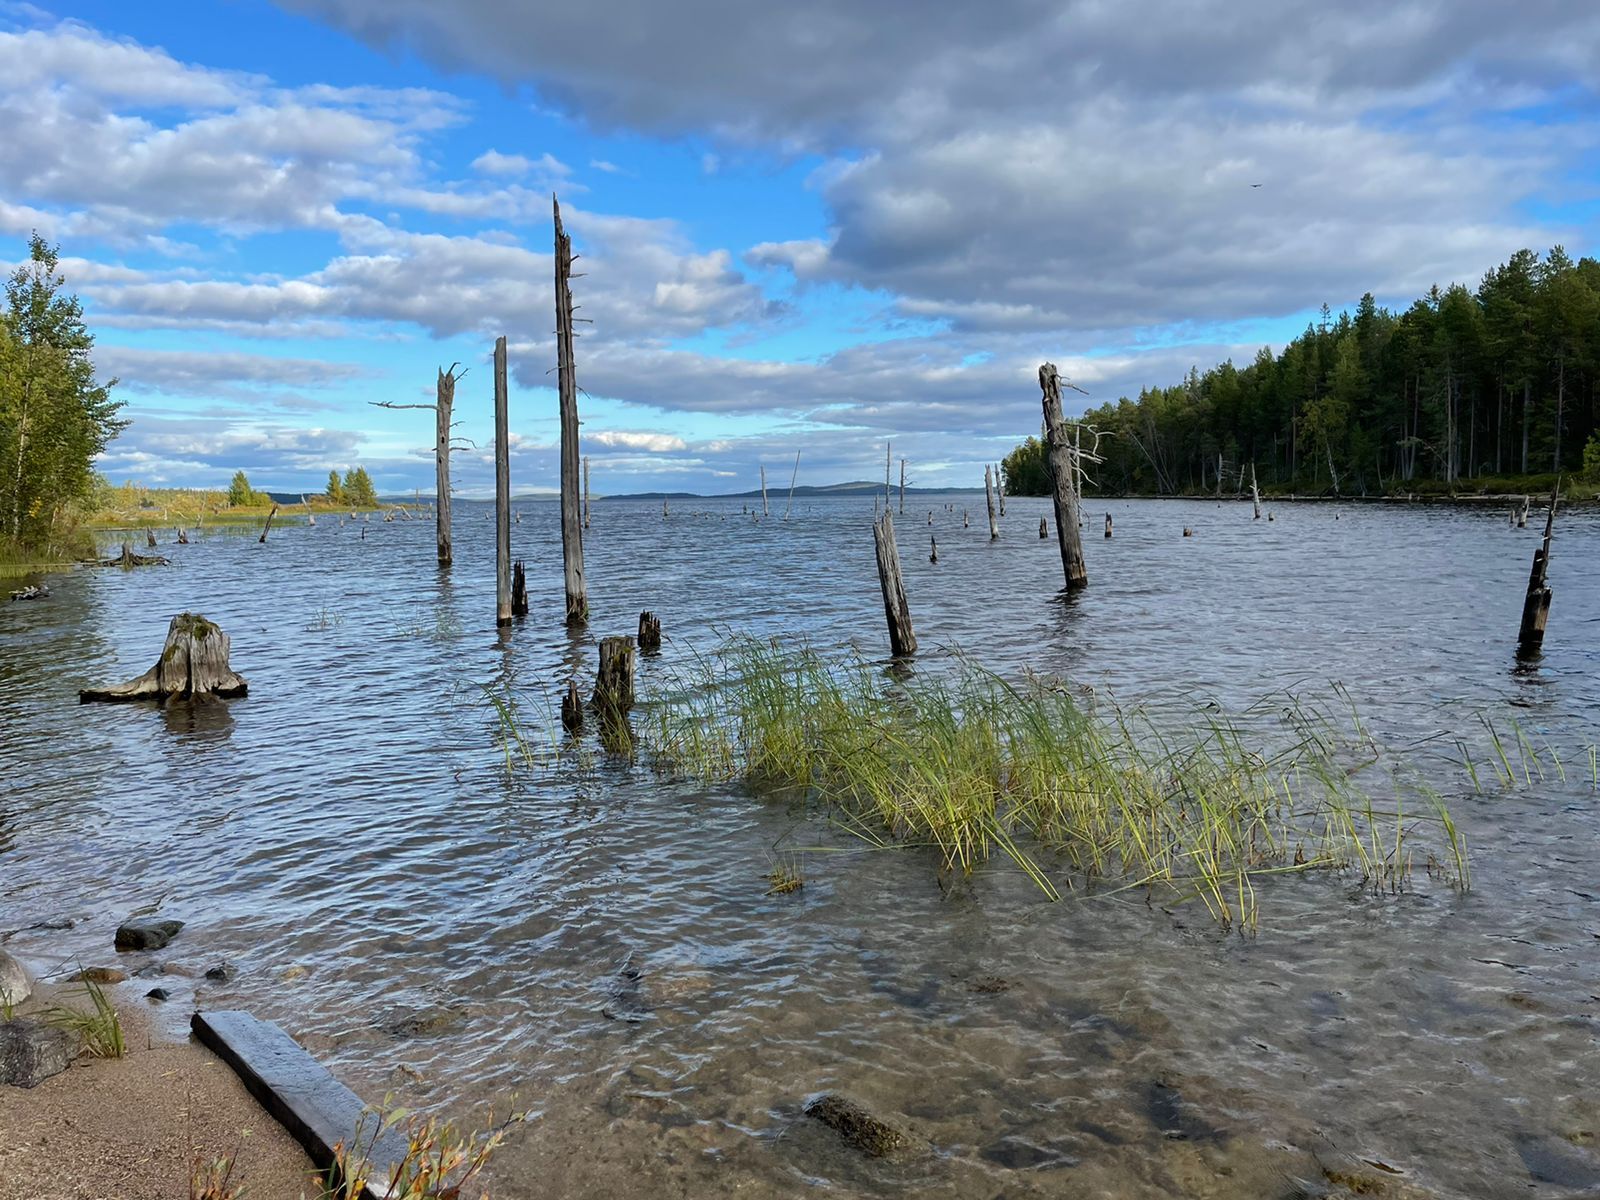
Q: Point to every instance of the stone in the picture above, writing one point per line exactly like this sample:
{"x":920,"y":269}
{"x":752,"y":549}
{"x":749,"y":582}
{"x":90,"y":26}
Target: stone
{"x":425,"y":1022}
{"x":31,"y":1051}
{"x":101,"y":975}
{"x":220,"y":973}
{"x":859,"y":1128}
{"x":158,"y":994}
{"x":146,"y":935}
{"x":14,"y":985}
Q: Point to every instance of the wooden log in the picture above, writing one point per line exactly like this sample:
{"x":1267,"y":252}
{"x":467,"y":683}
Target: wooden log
{"x":519,"y":590}
{"x":444,"y":393}
{"x":663,"y":508}
{"x":649,"y":632}
{"x":586,"y":491}
{"x":193,"y":662}
{"x":1108,"y":524}
{"x":268,"y":526}
{"x":1062,"y":459}
{"x":1536,"y":604}
{"x":566,"y":367}
{"x":502,"y":488}
{"x":896,"y":608}
{"x":613,"y":685}
{"x":1255,"y":493}
{"x":572,"y":708}
{"x":318,"y":1111}
{"x":988,"y":496}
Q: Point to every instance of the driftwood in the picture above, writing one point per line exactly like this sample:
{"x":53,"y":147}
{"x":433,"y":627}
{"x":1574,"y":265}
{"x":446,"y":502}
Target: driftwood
{"x":1536,"y":605}
{"x":150,"y":538}
{"x":649,"y":632}
{"x":567,"y":383}
{"x":129,"y":559}
{"x":31,"y":592}
{"x":194,"y":662}
{"x":1000,"y":488}
{"x":795,"y":475}
{"x":896,"y":608}
{"x":764,"y":510}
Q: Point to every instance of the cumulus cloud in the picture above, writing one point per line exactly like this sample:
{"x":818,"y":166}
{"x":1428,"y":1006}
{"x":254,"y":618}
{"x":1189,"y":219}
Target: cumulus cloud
{"x":637,"y":441}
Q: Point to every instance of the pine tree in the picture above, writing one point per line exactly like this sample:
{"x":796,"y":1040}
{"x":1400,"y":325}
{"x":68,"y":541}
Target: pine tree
{"x":358,"y":489}
{"x":335,"y":490}
{"x":240,"y":493}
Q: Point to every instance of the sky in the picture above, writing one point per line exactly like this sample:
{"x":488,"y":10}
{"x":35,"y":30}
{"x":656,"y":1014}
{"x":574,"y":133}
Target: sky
{"x":808,"y":228}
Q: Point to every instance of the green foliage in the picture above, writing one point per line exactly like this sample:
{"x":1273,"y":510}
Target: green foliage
{"x":358,"y":489}
{"x":1027,"y":469}
{"x":1591,"y":458}
{"x":1464,"y":385}
{"x":99,"y":1029}
{"x":55,"y":417}
{"x":242,"y":495}
{"x":335,"y":489}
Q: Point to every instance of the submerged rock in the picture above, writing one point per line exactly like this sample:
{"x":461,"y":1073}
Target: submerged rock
{"x":424,"y":1021}
{"x":627,"y":1002}
{"x":158,"y":994}
{"x":146,"y":935}
{"x":220,"y":973}
{"x":860,"y":1129}
{"x":32,"y":1051}
{"x":14,"y":984}
{"x":100,"y":975}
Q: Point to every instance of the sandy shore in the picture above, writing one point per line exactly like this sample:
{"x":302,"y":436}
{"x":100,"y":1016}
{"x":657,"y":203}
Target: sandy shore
{"x":133,"y":1128}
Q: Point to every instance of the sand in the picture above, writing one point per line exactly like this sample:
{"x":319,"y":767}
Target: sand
{"x":133,"y":1128}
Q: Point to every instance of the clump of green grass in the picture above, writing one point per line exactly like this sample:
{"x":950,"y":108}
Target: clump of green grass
{"x":785,"y":877}
{"x":440,"y":1160}
{"x":99,"y":1029}
{"x":971,"y":765}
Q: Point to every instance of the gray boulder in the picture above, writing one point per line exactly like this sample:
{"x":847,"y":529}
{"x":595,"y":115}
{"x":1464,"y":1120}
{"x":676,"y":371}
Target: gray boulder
{"x":31,"y":1052}
{"x":146,"y":935}
{"x":14,"y":985}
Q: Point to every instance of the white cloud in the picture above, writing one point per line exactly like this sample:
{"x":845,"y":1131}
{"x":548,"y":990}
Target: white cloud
{"x":658,"y":442}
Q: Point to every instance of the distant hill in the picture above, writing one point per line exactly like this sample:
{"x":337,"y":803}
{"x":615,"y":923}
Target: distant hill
{"x":857,"y":488}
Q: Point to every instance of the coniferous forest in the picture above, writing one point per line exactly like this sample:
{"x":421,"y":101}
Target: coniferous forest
{"x":1464,"y":390}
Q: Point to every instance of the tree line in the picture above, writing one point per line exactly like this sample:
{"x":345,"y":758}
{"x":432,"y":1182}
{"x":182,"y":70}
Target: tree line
{"x":1464,"y":387}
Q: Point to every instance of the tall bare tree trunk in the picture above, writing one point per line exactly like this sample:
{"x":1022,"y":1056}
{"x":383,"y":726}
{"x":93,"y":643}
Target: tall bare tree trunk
{"x":445,"y":398}
{"x":1064,"y":480}
{"x":571,"y":517}
{"x":502,"y":488}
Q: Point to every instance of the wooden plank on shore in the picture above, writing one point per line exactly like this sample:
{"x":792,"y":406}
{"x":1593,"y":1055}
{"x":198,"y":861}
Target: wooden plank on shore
{"x":300,"y":1094}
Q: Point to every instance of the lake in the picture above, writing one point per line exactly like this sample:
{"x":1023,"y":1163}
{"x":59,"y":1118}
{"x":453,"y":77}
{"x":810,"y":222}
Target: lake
{"x":601,"y":942}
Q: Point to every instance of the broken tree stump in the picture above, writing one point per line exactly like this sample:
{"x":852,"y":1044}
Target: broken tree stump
{"x":1536,"y":605}
{"x":1062,"y":457}
{"x":649,"y":632}
{"x":933,"y":553}
{"x":988,"y":496}
{"x":150,"y":538}
{"x":613,"y":685}
{"x":265,"y":528}
{"x":193,"y":663}
{"x":183,"y":537}
{"x":572,"y":708}
{"x":1255,"y":493}
{"x":1108,"y":524}
{"x":896,"y":608}
{"x":519,"y":590}
{"x":128,"y":559}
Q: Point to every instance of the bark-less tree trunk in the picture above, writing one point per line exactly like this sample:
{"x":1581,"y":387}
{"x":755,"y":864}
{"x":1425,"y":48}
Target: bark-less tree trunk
{"x":571,"y":518}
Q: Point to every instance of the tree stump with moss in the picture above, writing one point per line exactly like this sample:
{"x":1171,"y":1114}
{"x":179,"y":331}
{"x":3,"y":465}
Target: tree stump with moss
{"x":194,"y":662}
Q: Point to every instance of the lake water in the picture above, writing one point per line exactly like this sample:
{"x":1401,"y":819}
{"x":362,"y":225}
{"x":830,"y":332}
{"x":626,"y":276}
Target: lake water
{"x":348,"y":837}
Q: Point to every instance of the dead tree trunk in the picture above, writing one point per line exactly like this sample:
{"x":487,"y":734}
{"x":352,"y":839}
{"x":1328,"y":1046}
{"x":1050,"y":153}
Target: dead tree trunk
{"x":988,"y":497}
{"x":1063,"y":479}
{"x":649,"y":632}
{"x":1000,"y":488}
{"x":933,"y":549}
{"x":194,"y":662}
{"x":502,"y":488}
{"x":445,"y":395}
{"x":613,"y":686}
{"x":902,"y":487}
{"x":586,"y":491}
{"x":519,"y":590}
{"x":572,"y":708}
{"x":571,"y":520}
{"x":1108,"y":524}
{"x":1255,"y":493}
{"x":764,"y":490}
{"x":792,"y":478}
{"x":150,"y":539}
{"x":1536,"y":606}
{"x":264,"y":529}
{"x":902,"y":639}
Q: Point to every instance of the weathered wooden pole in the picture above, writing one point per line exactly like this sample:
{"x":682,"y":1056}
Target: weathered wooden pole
{"x":1063,"y":479}
{"x":1522,"y":513}
{"x":902,"y":640}
{"x":502,"y":488}
{"x":764,"y":509}
{"x":886,"y":465}
{"x":586,"y":491}
{"x":663,"y":507}
{"x":519,"y":590}
{"x":1000,"y":488}
{"x":649,"y":632}
{"x":902,"y":487}
{"x":1536,"y":606}
{"x":268,"y":525}
{"x":571,"y":517}
{"x":1255,"y":493}
{"x":988,"y":496}
{"x":933,"y":551}
{"x":1108,"y":524}
{"x":792,"y":478}
{"x":444,"y":392}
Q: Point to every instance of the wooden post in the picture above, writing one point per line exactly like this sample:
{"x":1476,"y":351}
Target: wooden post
{"x":1522,"y":513}
{"x":649,"y":632}
{"x":586,"y":491}
{"x":444,"y":392}
{"x":519,"y":590}
{"x":792,"y":478}
{"x":764,"y":510}
{"x":902,"y":487}
{"x":572,"y":708}
{"x":1000,"y":488}
{"x":613,"y":686}
{"x":502,"y":488}
{"x":1063,"y":478}
{"x":571,"y":518}
{"x":988,"y":496}
{"x":1108,"y":524}
{"x":663,"y":507}
{"x":933,"y":553}
{"x":263,"y":538}
{"x":902,"y":640}
{"x":1536,"y":606}
{"x":1255,"y":493}
{"x":150,"y":538}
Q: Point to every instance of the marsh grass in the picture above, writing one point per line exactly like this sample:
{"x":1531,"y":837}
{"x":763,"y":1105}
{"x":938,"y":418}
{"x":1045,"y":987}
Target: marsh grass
{"x":974,"y":766}
{"x":99,"y":1029}
{"x":441,"y":1161}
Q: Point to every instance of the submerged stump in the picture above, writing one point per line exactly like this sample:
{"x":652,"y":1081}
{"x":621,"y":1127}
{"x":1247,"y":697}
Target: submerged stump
{"x":193,"y":663}
{"x":649,"y":632}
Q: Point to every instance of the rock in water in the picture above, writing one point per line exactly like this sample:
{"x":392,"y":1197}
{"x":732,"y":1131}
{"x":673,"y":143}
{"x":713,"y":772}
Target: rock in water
{"x":14,"y":985}
{"x":857,"y":1126}
{"x":193,"y":663}
{"x":31,"y":1052}
{"x":146,"y":935}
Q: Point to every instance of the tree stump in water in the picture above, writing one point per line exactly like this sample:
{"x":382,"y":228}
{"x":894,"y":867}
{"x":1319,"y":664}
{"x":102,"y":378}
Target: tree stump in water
{"x":128,"y":559}
{"x":1108,"y":525}
{"x":613,"y":687}
{"x":572,"y":708}
{"x":649,"y":632}
{"x":194,"y":662}
{"x":519,"y":590}
{"x":183,"y":537}
{"x":150,"y":538}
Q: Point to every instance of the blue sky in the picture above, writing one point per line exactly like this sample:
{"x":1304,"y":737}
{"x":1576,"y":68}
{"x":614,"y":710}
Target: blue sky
{"x":804,"y":227}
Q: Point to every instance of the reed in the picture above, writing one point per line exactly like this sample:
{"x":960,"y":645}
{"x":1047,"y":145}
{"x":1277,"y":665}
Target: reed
{"x":976,"y":766}
{"x":99,"y":1029}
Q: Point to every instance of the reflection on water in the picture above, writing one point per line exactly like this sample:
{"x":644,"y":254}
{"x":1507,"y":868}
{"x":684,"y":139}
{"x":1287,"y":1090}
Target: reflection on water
{"x":605,"y":945}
